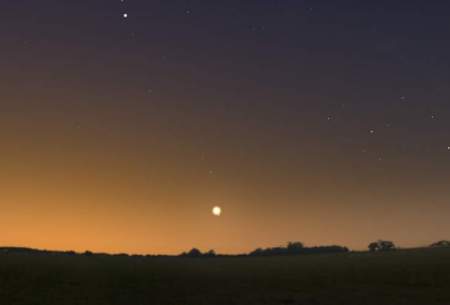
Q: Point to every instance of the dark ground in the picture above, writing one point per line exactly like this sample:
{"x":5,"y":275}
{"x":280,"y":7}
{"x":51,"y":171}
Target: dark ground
{"x":402,"y":277}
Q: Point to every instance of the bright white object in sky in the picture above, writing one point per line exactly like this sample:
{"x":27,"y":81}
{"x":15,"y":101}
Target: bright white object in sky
{"x":217,"y":211}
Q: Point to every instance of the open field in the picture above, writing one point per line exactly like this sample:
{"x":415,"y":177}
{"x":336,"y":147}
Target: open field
{"x":401,"y":277}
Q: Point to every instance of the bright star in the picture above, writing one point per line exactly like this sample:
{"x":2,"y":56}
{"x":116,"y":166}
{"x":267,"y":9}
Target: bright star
{"x":217,"y":211}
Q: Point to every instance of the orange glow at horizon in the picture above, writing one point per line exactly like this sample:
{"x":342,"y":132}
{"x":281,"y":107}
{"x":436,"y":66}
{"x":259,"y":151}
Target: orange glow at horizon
{"x":121,"y":135}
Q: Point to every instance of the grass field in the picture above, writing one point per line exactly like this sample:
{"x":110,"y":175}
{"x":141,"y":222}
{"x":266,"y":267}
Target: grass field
{"x":402,"y":277}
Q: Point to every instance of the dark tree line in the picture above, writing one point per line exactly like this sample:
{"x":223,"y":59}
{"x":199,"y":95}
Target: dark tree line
{"x":297,"y":248}
{"x":292,"y":248}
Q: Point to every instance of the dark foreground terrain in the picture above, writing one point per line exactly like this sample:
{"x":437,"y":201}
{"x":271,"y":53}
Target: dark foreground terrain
{"x":401,"y":277}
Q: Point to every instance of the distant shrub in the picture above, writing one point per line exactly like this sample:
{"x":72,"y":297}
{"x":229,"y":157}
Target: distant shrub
{"x":441,"y":243}
{"x":381,"y":245}
{"x":194,"y":252}
{"x":210,"y":253}
{"x":88,"y":253}
{"x":295,"y":247}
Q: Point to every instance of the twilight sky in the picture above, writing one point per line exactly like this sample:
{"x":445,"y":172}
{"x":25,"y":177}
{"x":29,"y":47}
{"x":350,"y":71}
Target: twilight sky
{"x":122,"y":123}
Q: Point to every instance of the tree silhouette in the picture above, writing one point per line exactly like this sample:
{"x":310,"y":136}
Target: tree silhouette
{"x":295,"y":247}
{"x":373,"y":246}
{"x":210,"y":253}
{"x":441,"y":243}
{"x":381,"y":245}
{"x":194,"y":252}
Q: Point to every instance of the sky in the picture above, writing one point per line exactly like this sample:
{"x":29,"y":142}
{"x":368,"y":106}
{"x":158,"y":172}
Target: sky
{"x":123,"y":123}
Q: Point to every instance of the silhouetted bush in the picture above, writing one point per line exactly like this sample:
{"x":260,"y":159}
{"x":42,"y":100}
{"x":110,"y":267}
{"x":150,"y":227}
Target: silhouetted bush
{"x":297,"y":248}
{"x":197,"y":253}
{"x":381,"y":245}
{"x":194,"y":252}
{"x":210,"y":253}
{"x":441,"y":243}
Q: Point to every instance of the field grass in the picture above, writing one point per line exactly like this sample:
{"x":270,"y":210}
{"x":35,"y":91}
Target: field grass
{"x":402,"y":277}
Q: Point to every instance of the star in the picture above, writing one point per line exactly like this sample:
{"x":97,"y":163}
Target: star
{"x":372,"y":131}
{"x":125,"y":15}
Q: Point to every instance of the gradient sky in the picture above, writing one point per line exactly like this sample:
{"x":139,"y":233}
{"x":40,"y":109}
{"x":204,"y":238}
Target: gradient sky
{"x":326,"y":122}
